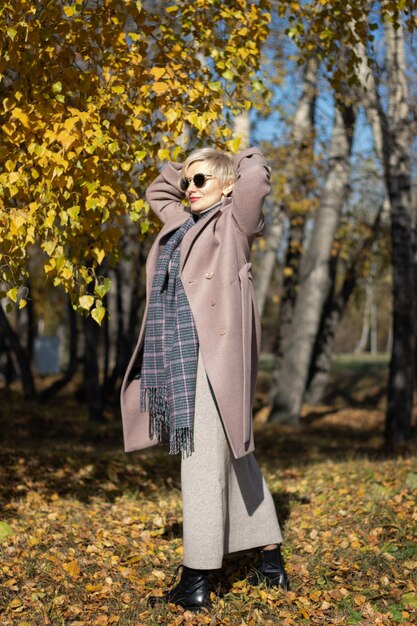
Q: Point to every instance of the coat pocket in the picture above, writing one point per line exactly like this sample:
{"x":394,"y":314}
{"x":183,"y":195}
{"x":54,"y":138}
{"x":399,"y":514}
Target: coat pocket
{"x":135,"y":423}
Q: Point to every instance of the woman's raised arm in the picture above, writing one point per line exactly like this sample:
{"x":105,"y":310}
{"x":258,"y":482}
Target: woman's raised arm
{"x":250,"y":189}
{"x":164,"y":194}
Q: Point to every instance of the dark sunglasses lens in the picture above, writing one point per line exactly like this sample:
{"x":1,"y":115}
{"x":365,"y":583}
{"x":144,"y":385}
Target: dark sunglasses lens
{"x":199,"y":180}
{"x":184,"y":183}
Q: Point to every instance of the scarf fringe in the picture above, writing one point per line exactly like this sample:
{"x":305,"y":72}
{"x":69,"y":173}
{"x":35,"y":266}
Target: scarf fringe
{"x":182,"y":440}
{"x":157,"y":409}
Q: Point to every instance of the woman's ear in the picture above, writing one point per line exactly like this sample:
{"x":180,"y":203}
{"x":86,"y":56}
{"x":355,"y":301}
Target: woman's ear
{"x":227,"y":190}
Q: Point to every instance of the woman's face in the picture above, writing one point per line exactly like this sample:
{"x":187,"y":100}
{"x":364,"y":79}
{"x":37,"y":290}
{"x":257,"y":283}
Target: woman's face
{"x":201,"y":198}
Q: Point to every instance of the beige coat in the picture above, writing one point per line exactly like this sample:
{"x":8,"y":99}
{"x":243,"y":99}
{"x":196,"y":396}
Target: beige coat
{"x":216,"y":274}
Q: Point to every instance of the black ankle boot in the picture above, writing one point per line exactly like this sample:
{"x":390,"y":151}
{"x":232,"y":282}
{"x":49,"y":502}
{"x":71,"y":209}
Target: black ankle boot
{"x":271,"y":570}
{"x":191,"y":593}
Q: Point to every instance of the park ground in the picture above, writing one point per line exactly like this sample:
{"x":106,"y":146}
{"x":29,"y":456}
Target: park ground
{"x":93,"y":532}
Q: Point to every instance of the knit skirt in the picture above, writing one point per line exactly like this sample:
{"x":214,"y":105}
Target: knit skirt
{"x":227,"y":506}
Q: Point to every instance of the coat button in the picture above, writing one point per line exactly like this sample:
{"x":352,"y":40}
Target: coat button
{"x":223,"y":331}
{"x":209,"y":275}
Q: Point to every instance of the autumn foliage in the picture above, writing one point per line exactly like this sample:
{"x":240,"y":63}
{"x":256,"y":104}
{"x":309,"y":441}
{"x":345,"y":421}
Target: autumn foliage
{"x":93,"y":532}
{"x":93,"y":96}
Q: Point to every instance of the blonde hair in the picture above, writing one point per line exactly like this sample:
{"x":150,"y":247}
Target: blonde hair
{"x":220,"y":165}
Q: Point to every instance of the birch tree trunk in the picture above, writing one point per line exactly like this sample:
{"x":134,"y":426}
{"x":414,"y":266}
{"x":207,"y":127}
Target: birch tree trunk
{"x":265,"y":269}
{"x":332,"y":316}
{"x":321,"y":364}
{"x":288,"y":389}
{"x":301,"y":140}
{"x":393,"y":137}
{"x":366,"y":322}
{"x":398,"y":178}
{"x":242,"y":129}
{"x":290,"y":286}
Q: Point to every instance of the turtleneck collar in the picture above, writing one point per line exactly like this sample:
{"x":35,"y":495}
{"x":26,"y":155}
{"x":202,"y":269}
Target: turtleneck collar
{"x":201,"y":214}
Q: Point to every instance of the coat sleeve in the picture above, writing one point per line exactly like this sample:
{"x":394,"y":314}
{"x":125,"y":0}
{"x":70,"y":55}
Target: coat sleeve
{"x":250,"y":189}
{"x":164,"y":194}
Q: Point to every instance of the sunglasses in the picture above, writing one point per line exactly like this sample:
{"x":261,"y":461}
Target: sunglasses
{"x":199,"y":181}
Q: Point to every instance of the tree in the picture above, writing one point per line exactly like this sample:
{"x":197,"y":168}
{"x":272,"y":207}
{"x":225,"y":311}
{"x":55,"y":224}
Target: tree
{"x":289,"y":385}
{"x":331,"y":27}
{"x":397,"y":149}
{"x":334,"y":309}
{"x":393,"y":135}
{"x":93,"y":94}
{"x":293,"y":172}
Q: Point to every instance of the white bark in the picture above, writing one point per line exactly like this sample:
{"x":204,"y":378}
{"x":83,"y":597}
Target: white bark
{"x":374,"y":319}
{"x":363,"y":339}
{"x":393,"y":137}
{"x":242,"y":129}
{"x":314,"y":280}
{"x":265,"y":269}
{"x":302,"y":132}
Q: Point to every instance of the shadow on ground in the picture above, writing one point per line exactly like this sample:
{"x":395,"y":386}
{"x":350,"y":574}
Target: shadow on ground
{"x":55,"y":449}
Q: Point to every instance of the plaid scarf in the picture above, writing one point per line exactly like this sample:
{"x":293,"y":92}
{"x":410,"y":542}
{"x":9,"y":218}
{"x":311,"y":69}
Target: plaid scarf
{"x":169,"y":368}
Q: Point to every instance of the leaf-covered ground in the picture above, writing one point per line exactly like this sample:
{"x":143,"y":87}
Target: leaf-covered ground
{"x":95,"y":531}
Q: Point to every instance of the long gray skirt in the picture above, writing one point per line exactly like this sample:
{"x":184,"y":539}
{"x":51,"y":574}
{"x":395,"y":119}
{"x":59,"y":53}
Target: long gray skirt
{"x":227,"y":506}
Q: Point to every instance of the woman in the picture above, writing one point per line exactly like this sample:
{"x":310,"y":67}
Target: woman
{"x":192,"y":376}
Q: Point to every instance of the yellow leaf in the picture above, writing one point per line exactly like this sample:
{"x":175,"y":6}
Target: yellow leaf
{"x":65,"y":139}
{"x":91,"y":202}
{"x":263,"y":595}
{"x":158,"y":72}
{"x":98,"y":313}
{"x":160,"y":87}
{"x":12,"y":32}
{"x":103,"y":288}
{"x":171,"y":115}
{"x":72,"y":568}
{"x":70,"y":122}
{"x":9,"y":129}
{"x":86,"y":302}
{"x":163,"y":154}
{"x":69,"y":11}
{"x":73,"y":212}
{"x":233,"y":144}
{"x":228,"y":75}
{"x":99,"y":254}
{"x":21,"y":116}
{"x":14,"y":604}
{"x":12,"y":293}
{"x":66,"y":273}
